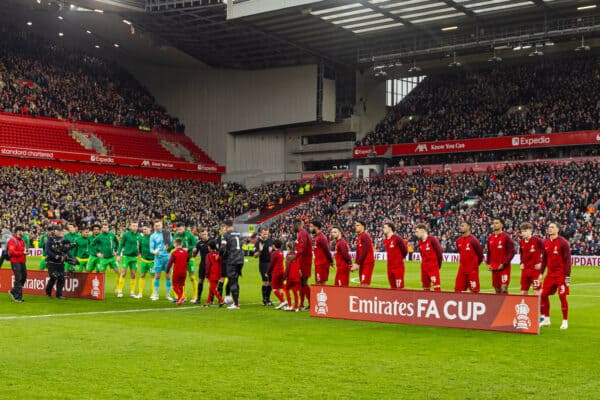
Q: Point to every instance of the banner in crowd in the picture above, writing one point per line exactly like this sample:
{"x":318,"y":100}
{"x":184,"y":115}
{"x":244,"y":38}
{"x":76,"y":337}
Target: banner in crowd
{"x":82,"y":285}
{"x":505,"y":313}
{"x":106,"y":160}
{"x":587,"y":261}
{"x":482,"y":144}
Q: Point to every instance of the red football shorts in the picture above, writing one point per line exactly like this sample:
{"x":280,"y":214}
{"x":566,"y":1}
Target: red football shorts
{"x":396,"y":277}
{"x":531,"y":277}
{"x":342,"y":277}
{"x":552,"y":283}
{"x":501,"y":277}
{"x":365,"y":272}
{"x":467,"y":281}
{"x":277,"y":281}
{"x":430,"y":276}
{"x":321,"y":273}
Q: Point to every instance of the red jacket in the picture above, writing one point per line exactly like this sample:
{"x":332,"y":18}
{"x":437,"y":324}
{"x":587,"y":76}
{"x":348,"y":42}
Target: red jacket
{"x":501,"y":250}
{"x":431,"y":253}
{"x":16,"y":249}
{"x":558,"y":256}
{"x":470,"y":253}
{"x":532,"y":252}
{"x":178,"y":261}
{"x":343,"y":261}
{"x":213,"y":266}
{"x":304,"y":248}
{"x":323,"y":256}
{"x":396,"y":251}
{"x":276,"y":264}
{"x":364,"y":250}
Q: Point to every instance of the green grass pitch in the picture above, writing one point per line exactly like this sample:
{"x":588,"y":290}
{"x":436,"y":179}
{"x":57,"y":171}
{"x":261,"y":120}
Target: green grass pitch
{"x":191,"y":352}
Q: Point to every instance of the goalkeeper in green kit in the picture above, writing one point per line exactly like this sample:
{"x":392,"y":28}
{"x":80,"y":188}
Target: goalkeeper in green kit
{"x":127,"y":257}
{"x":72,"y":235}
{"x":82,"y":252}
{"x":189,"y":240}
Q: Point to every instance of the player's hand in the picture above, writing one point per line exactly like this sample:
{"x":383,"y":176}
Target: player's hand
{"x":260,"y":247}
{"x":538,"y":266}
{"x":118,"y":259}
{"x":354,"y":267}
{"x":522,"y":267}
{"x":166,"y":247}
{"x":155,"y":252}
{"x":568,"y":281}
{"x":332,"y":265}
{"x":100,"y":255}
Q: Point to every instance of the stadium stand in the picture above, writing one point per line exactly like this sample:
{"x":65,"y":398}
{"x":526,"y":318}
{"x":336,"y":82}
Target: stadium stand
{"x":546,"y":97}
{"x":538,"y":193}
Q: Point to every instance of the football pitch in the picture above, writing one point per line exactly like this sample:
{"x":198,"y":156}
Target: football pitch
{"x":140,"y":349}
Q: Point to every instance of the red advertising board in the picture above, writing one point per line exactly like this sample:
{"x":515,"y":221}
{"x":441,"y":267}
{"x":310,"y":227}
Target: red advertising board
{"x":480,"y":167}
{"x":505,"y":313}
{"x":106,"y":160}
{"x":82,"y":285}
{"x":483,"y":144}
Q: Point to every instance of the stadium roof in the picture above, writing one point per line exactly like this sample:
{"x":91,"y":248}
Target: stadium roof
{"x":352,"y":33}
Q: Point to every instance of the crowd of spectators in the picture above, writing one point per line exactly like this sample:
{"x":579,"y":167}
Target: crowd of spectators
{"x":41,"y":78}
{"x":539,"y":193}
{"x":543,"y":97}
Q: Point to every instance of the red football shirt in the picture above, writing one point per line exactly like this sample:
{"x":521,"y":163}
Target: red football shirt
{"x":500,"y":250}
{"x":178,"y":261}
{"x":292,"y":270}
{"x":431,"y":253}
{"x":531,"y":252}
{"x":322,"y":253}
{"x":276,"y":265}
{"x":213,"y":266}
{"x":470,"y":253}
{"x":343,"y":260}
{"x":364,"y":249}
{"x":558,"y":256}
{"x":396,"y":251}
{"x":304,"y":248}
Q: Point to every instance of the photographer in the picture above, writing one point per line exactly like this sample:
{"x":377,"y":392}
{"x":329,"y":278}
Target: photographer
{"x":57,"y":253}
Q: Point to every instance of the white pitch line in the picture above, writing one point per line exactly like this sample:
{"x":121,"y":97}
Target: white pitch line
{"x":138,"y":310}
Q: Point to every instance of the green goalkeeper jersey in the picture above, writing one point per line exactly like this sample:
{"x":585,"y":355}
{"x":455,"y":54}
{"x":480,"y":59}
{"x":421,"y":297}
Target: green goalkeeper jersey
{"x":129,"y":245}
{"x":72,"y":237}
{"x":104,"y":243}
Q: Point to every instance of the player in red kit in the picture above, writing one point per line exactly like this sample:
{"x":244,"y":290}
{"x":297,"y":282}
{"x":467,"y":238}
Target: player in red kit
{"x":431,"y":258}
{"x":323,"y":258}
{"x":558,"y":277}
{"x":470,"y":256}
{"x":178,"y":262}
{"x":531,"y":250}
{"x":277,"y":273}
{"x":304,"y":259}
{"x":293,"y":276}
{"x":500,"y":252}
{"x":343,"y":261}
{"x":365,"y":258}
{"x":213,"y":268}
{"x":396,"y":252}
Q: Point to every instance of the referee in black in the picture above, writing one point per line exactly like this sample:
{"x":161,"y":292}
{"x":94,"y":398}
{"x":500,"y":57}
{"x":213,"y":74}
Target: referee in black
{"x":262,"y":249}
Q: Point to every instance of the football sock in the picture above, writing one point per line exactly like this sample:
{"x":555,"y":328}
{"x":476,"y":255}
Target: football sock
{"x":220,"y":288}
{"x":277,"y":293}
{"x":194,"y":280}
{"x":268,"y":293}
{"x":264,"y":293}
{"x":296,"y":298}
{"x":156,"y":286}
{"x":301,"y":295}
{"x":307,"y":295}
{"x":132,"y":285}
{"x":287,"y":296}
{"x":564,"y":306}
{"x":169,"y":285}
{"x":141,"y":284}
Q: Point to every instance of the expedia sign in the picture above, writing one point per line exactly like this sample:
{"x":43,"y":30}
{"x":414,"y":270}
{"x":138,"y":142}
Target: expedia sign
{"x":505,"y":313}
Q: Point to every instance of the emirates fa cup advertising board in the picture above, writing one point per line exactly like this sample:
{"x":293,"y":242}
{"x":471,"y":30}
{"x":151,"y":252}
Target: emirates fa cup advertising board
{"x":81,"y":285}
{"x":506,"y":313}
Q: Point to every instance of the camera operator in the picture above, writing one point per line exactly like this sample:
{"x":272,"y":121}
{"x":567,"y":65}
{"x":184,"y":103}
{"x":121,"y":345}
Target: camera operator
{"x":57,"y":253}
{"x":17,"y":254}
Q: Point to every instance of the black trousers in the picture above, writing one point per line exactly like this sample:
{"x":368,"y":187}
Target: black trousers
{"x":56,"y":272}
{"x":20,"y":274}
{"x":233,"y":273}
